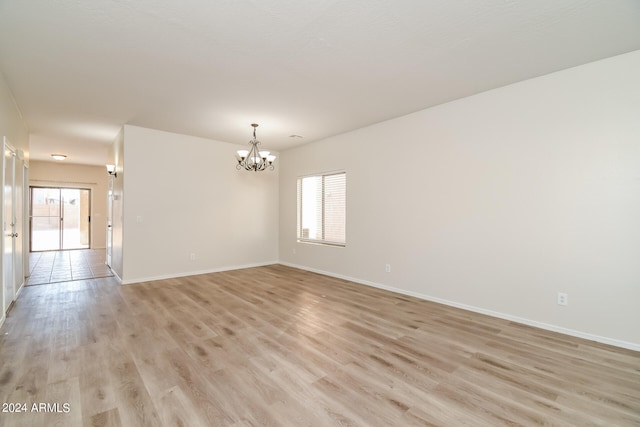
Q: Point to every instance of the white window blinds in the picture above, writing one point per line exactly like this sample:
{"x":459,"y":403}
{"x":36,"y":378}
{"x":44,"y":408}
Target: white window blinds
{"x":322,"y":208}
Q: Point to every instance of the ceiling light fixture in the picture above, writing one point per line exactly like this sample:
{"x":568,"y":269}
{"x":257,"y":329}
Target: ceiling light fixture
{"x":59,"y":156}
{"x":254,"y":159}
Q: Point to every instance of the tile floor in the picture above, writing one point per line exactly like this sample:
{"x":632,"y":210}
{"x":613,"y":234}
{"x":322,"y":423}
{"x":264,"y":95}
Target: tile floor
{"x":63,"y":266}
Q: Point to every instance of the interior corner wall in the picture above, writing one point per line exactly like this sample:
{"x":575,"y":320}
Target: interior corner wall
{"x":496,"y":202}
{"x":95,"y":178}
{"x":12,"y":125}
{"x":187,"y":210}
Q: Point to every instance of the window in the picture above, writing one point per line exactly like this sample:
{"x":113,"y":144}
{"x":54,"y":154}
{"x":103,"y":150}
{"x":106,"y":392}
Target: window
{"x":322,"y":208}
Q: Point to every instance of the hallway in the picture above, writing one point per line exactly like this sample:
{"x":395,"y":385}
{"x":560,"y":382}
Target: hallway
{"x":64,"y":266}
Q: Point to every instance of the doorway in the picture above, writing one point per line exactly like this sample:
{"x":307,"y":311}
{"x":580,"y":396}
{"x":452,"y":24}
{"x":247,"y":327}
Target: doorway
{"x":60,"y":218}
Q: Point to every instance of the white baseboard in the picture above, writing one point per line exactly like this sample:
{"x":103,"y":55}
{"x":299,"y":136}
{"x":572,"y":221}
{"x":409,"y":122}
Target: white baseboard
{"x":534,"y":323}
{"x":4,"y":315}
{"x":116,"y":276}
{"x":194,"y":273}
{"x":19,"y":291}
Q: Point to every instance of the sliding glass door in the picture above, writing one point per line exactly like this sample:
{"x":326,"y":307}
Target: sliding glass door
{"x":60,"y":218}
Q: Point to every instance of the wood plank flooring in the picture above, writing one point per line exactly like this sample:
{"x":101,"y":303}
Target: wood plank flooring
{"x":276,"y":346}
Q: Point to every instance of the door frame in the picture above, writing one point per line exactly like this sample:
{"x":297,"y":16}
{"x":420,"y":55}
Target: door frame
{"x":109,"y":238}
{"x":26,"y":226}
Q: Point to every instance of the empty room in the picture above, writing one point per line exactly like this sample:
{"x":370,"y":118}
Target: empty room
{"x":320,"y":213}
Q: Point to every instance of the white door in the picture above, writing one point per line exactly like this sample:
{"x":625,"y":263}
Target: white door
{"x":9,"y":226}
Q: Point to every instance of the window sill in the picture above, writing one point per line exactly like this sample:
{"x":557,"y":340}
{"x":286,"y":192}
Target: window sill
{"x":321,"y":243}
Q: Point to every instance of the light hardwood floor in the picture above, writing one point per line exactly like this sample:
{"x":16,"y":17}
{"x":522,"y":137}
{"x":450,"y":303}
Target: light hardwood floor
{"x":276,"y":346}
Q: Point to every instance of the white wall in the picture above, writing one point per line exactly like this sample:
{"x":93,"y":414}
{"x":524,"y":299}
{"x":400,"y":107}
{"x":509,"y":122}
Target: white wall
{"x":183,"y":195}
{"x":14,"y":128}
{"x":95,"y":178}
{"x":496,"y":202}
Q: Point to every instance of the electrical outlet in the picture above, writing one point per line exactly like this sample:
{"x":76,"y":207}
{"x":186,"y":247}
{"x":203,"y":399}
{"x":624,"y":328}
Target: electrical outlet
{"x":563,"y":299}
{"x":387,"y":268}
{"x":192,"y":257}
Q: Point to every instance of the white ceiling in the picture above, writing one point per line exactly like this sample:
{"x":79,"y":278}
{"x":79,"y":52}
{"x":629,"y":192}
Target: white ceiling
{"x":81,"y":69}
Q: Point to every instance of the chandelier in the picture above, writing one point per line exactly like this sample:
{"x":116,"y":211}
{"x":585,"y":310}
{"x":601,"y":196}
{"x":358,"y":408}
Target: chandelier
{"x":254,"y":159}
